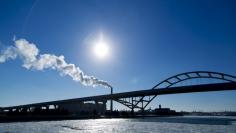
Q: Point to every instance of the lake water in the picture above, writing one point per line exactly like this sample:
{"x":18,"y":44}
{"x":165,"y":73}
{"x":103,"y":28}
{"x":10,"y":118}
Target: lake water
{"x":186,"y":124}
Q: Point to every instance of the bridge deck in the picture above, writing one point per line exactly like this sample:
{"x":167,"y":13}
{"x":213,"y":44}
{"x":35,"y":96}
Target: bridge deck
{"x":161,"y":91}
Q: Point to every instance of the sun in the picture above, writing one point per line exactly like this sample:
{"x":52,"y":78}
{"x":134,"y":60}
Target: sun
{"x":101,"y":49}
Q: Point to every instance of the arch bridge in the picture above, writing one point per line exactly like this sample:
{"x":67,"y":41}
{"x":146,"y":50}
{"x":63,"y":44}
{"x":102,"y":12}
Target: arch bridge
{"x":141,"y":99}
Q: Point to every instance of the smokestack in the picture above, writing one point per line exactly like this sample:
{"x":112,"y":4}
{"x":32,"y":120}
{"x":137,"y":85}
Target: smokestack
{"x":111,"y":105}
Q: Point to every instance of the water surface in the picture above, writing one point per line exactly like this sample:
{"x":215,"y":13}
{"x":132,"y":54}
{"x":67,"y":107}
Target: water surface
{"x":188,"y":124}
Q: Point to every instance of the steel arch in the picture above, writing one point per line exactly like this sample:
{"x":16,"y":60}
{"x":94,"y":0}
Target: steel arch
{"x":194,"y":75}
{"x":134,"y":102}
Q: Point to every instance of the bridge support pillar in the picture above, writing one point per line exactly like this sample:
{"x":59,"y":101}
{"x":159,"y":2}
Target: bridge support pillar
{"x":142,"y":109}
{"x":47,"y":107}
{"x":132,"y":106}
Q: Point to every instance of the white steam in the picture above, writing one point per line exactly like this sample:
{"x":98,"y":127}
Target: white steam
{"x":29,"y":54}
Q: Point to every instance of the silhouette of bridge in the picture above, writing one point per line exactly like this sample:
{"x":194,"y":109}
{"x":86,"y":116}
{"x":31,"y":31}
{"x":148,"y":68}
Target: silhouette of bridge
{"x":141,"y":99}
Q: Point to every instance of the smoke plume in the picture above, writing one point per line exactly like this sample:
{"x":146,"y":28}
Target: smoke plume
{"x":29,"y":54}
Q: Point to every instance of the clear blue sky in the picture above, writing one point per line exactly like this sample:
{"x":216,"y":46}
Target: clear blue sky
{"x":149,"y":41}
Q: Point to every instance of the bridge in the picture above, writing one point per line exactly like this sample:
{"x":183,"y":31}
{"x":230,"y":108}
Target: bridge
{"x":141,"y":99}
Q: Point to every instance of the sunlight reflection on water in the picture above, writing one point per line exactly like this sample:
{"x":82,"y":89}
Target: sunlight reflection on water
{"x":145,"y":125}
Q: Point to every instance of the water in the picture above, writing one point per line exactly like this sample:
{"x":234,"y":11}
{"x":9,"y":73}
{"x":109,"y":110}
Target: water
{"x":140,"y":125}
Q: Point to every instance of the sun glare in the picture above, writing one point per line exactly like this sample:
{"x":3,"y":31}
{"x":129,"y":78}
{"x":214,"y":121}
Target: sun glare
{"x":101,"y":49}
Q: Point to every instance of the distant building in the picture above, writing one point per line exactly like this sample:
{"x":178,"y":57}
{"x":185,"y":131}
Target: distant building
{"x":164,"y":111}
